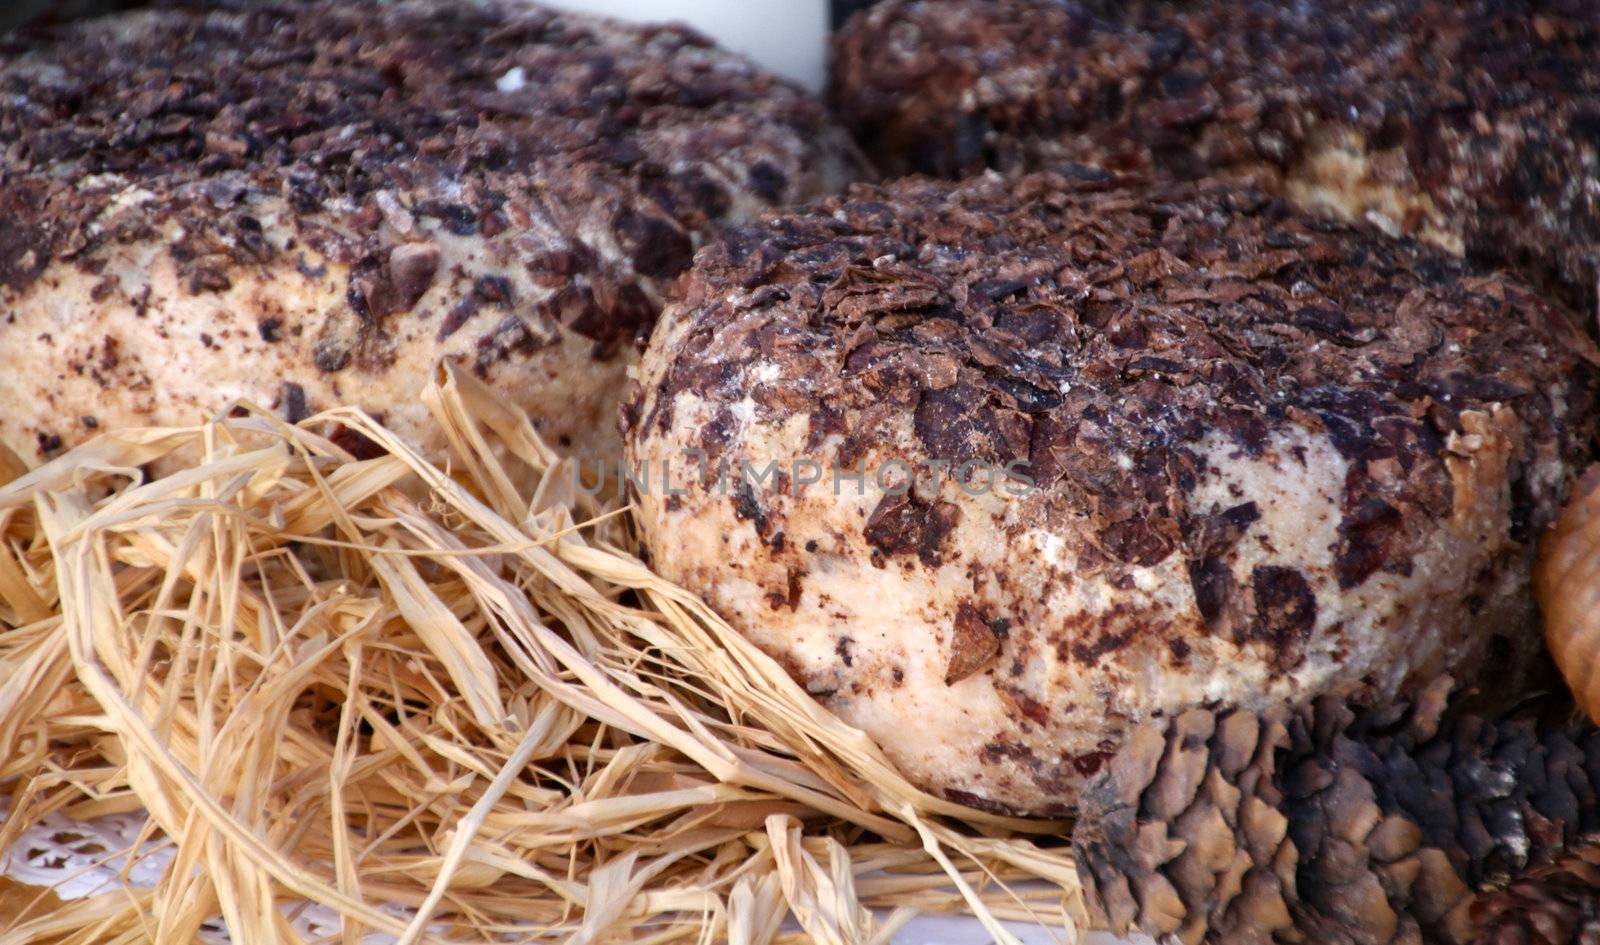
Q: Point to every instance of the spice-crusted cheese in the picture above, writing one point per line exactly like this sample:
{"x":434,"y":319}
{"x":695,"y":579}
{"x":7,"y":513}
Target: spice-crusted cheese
{"x":306,"y":205}
{"x":1272,"y":457}
{"x":1474,"y":124}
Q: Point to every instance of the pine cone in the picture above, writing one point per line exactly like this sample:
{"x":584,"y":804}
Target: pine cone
{"x":1551,"y":905}
{"x":1333,"y":825}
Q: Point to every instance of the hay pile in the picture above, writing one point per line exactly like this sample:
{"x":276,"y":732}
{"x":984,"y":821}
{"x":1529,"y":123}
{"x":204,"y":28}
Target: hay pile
{"x":370,"y":682}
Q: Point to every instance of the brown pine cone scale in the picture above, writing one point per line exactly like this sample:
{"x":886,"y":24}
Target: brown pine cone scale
{"x":1334,"y":825}
{"x":1552,"y":905}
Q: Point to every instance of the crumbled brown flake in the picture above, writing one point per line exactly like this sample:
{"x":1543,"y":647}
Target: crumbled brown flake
{"x":973,"y":644}
{"x":356,"y":443}
{"x":1068,"y":325}
{"x":512,"y":336}
{"x":1487,"y":109}
{"x":1286,"y":612}
{"x":292,"y":401}
{"x":1137,"y":541}
{"x":411,"y":270}
{"x":394,"y":110}
{"x":905,"y":525}
{"x":1142,"y":353}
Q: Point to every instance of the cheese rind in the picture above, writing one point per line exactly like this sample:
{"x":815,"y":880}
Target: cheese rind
{"x":1236,"y":456}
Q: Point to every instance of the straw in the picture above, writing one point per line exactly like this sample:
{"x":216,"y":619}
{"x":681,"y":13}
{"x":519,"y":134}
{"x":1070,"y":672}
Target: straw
{"x":445,"y":699}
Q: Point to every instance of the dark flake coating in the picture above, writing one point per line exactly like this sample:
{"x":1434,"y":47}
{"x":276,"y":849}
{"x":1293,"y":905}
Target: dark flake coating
{"x":1237,"y":454}
{"x":336,"y":194}
{"x":1472,"y":123}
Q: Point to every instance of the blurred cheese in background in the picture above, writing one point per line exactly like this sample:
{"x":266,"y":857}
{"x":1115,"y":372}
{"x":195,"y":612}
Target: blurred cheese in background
{"x":18,"y":12}
{"x":788,"y":37}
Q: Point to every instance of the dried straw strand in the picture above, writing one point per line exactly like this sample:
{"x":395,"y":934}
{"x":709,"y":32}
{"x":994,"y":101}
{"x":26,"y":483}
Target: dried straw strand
{"x":446,"y":700}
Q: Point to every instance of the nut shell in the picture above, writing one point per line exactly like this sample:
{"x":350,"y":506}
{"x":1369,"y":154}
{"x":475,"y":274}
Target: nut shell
{"x":1566,"y":581}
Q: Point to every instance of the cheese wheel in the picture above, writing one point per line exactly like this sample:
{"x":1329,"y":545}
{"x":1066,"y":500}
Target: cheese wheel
{"x":1473,"y":124}
{"x":307,"y":205}
{"x":1000,"y":470}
